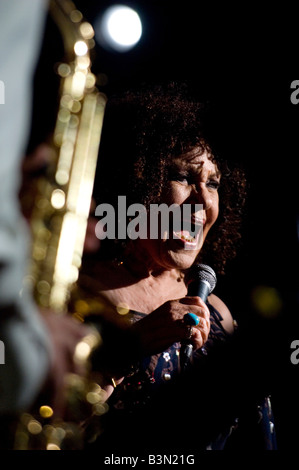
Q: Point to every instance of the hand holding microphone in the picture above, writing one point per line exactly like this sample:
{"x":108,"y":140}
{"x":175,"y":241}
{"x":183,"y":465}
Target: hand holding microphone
{"x":203,"y":282}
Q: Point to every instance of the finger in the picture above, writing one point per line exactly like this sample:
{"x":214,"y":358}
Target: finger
{"x":200,"y":334}
{"x":201,"y":312}
{"x":192,"y":300}
{"x":199,"y":338}
{"x":203,"y":326}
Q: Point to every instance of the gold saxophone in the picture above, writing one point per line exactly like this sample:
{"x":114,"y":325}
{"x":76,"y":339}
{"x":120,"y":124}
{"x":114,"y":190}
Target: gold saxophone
{"x":59,"y":223}
{"x":62,"y":208}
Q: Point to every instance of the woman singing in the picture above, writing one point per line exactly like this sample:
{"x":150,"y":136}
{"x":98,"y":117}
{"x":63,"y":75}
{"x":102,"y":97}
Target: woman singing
{"x":158,"y":148}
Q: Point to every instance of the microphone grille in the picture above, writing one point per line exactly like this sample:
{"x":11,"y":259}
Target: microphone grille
{"x":203,"y":272}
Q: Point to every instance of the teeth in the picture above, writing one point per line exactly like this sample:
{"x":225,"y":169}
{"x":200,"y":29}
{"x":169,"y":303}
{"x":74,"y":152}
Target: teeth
{"x":191,"y":239}
{"x":183,"y":237}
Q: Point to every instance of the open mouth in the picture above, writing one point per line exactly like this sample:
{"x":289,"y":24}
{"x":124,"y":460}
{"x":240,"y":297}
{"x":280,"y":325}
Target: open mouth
{"x":187,"y":239}
{"x":190,"y":235}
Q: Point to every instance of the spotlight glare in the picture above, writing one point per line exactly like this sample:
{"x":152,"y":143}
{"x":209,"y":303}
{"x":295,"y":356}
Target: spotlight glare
{"x":119,"y":28}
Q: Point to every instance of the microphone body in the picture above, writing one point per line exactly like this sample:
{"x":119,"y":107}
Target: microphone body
{"x":200,"y":288}
{"x":203,"y":282}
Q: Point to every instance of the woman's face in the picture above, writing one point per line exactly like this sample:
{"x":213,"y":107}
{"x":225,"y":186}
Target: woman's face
{"x":193,"y":180}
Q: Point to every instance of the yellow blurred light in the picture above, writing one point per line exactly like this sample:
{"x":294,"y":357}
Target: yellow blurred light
{"x":42,"y":203}
{"x":48,"y":430}
{"x":43,"y":287}
{"x":58,"y":138}
{"x":86,"y":30}
{"x":93,"y":398}
{"x":96,"y":388}
{"x":86,"y":345}
{"x":90,"y":80}
{"x":58,"y":199}
{"x":65,"y":161}
{"x":74,"y":121}
{"x":82,"y":351}
{"x":64,"y":70}
{"x":66,"y":101}
{"x":76,"y":106}
{"x":60,"y":433}
{"x":34,"y":426}
{"x":83,"y":62}
{"x":52,"y":446}
{"x":62,"y":177}
{"x":39,"y":253}
{"x":76,"y":16}
{"x":122,"y":309}
{"x":64,"y":115}
{"x":266,"y":300}
{"x":100,"y":408}
{"x":78,"y":84}
{"x":64,"y":271}
{"x":82,"y":307}
{"x":46,"y":411}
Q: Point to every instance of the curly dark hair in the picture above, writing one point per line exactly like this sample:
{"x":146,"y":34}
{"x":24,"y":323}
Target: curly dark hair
{"x":143,"y":131}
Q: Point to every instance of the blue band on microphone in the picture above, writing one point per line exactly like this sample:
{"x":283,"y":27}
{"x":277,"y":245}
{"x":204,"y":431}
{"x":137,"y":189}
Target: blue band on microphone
{"x":191,"y":319}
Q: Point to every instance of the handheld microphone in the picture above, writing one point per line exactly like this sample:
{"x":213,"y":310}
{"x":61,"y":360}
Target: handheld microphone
{"x":203,"y":282}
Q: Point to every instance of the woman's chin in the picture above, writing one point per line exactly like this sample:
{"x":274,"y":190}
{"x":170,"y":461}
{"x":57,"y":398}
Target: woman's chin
{"x":178,"y":256}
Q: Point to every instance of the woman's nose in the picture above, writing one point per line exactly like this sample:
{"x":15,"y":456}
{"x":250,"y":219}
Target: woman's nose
{"x":201,"y":195}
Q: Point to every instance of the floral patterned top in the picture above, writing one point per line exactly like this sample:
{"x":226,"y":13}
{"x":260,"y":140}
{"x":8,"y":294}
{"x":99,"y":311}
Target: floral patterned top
{"x":145,"y":379}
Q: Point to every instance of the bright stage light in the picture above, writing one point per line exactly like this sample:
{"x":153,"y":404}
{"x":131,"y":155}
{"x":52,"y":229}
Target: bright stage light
{"x":119,"y":28}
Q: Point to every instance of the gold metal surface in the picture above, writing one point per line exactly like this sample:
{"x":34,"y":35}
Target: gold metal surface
{"x":62,"y":207}
{"x":58,"y":224}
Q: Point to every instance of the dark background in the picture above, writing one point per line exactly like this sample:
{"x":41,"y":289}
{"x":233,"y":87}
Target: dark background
{"x":243,"y":60}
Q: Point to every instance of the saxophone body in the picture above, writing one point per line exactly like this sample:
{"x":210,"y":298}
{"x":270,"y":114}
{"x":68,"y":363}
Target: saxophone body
{"x":58,"y":225}
{"x":62,"y":207}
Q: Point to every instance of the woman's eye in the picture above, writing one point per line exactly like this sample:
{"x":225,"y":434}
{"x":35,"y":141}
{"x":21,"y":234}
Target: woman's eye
{"x":213,"y":184}
{"x":190,"y":179}
{"x":184,"y":179}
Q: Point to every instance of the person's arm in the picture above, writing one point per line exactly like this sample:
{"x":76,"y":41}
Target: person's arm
{"x":228,"y":321}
